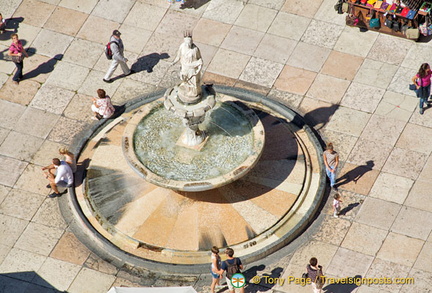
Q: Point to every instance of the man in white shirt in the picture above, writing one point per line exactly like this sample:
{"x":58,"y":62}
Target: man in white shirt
{"x":59,"y":174}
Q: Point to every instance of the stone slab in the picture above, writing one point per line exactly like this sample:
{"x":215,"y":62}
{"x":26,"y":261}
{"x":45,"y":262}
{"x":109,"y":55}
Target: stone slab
{"x":295,"y":80}
{"x":385,"y":43}
{"x":342,"y":65}
{"x":66,"y":21}
{"x":351,"y":41}
{"x":20,"y":262}
{"x":364,"y":239}
{"x":362,"y":97}
{"x":152,"y":14}
{"x":391,"y":187}
{"x":11,"y":113}
{"x":21,"y":94}
{"x":70,"y":249}
{"x":357,"y":179}
{"x":418,"y":196}
{"x":34,"y":12}
{"x":332,"y":230}
{"x":425,"y":255}
{"x":129,"y":36}
{"x":97,"y":29}
{"x":383,"y":129}
{"x":275,"y":48}
{"x":396,"y":106}
{"x":10,"y":170}
{"x":27,"y":202}
{"x":172,"y":20}
{"x":13,"y":227}
{"x":242,"y":40}
{"x":405,"y":163}
{"x":321,"y":91}
{"x":51,"y":44}
{"x":308,"y":56}
{"x":79,"y":108}
{"x":349,"y":263}
{"x":224,"y":10}
{"x":210,"y":32}
{"x":323,"y":34}
{"x":375,"y":73}
{"x":341,"y":121}
{"x":36,"y":122}
{"x":38,"y":68}
{"x":370,"y":151}
{"x":65,"y":130}
{"x":85,"y":6}
{"x":416,"y":138}
{"x":58,"y":273}
{"x":306,"y":9}
{"x":130,"y":89}
{"x":52,"y":99}
{"x":400,"y":249}
{"x":86,"y":278}
{"x":284,"y":23}
{"x":93,"y":82}
{"x":33,"y":179}
{"x":261,"y":72}
{"x":113,"y":10}
{"x":289,"y":99}
{"x":386,"y":269}
{"x":228,"y":63}
{"x":272,"y":4}
{"x":82,"y":52}
{"x":256,"y":17}
{"x":49,"y":214}
{"x":45,"y":236}
{"x":378,"y":213}
{"x":407,"y":215}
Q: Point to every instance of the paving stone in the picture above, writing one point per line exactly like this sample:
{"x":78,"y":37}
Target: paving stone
{"x":129,"y":35}
{"x":256,"y":17}
{"x":411,"y":60}
{"x":378,"y":213}
{"x":27,"y":35}
{"x":242,"y":40}
{"x":350,"y":207}
{"x":385,"y":269}
{"x":53,"y":2}
{"x":49,"y":214}
{"x":362,"y":97}
{"x":36,"y":122}
{"x":65,"y":130}
{"x":52,"y":99}
{"x":81,"y":52}
{"x":341,"y":121}
{"x":423,"y":260}
{"x":407,"y":216}
{"x":322,"y":34}
{"x":86,"y":278}
{"x":416,"y":138}
{"x":46,"y":152}
{"x":21,"y":94}
{"x":152,"y":14}
{"x":38,"y":68}
{"x":46,"y":238}
{"x":207,"y":54}
{"x":383,"y":129}
{"x":420,"y":281}
{"x":309,"y":57}
{"x":79,"y":108}
{"x":157,"y":48}
{"x":342,"y":65}
{"x":275,"y":48}
{"x":12,"y":227}
{"x":3,"y":79}
{"x":33,"y":179}
{"x":97,"y":29}
{"x":214,"y":78}
{"x":423,"y":120}
{"x":57,"y":273}
{"x":115,"y":11}
{"x":10,"y":114}
{"x":10,"y":170}
{"x":405,"y":163}
{"x":85,"y":6}
{"x":66,"y":21}
{"x":373,"y":152}
{"x":375,"y":73}
{"x":4,"y":251}
{"x":418,"y":196}
{"x":172,"y":20}
{"x":51,"y":44}
{"x":385,"y":44}
{"x":223,"y":10}
{"x":392,"y":188}
{"x":20,"y":262}
{"x":301,"y":8}
{"x":319,"y":89}
{"x":93,"y":82}
{"x":288,"y":99}
{"x":3,"y":134}
{"x":130,"y":89}
{"x":27,"y":202}
{"x":195,"y":8}
{"x":96,"y":263}
{"x":34,"y":12}
{"x":400,"y":249}
{"x":317,"y":113}
{"x":8,"y":7}
{"x":157,"y":70}
{"x":357,"y":179}
{"x":295,"y":80}
{"x":70,"y":249}
{"x":261,"y":72}
{"x":351,"y":41}
{"x":332,"y":230}
{"x":210,"y":32}
{"x":4,"y":190}
{"x":400,"y":81}
{"x":396,"y":106}
{"x":228,"y":63}
{"x":349,"y":263}
{"x":284,"y":23}
{"x":364,"y":239}
{"x":327,"y":13}
{"x":273,"y":4}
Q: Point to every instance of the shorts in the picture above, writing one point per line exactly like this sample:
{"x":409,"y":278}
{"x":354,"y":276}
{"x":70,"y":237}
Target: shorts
{"x":214,"y":275}
{"x":63,"y":184}
{"x":230,"y":286}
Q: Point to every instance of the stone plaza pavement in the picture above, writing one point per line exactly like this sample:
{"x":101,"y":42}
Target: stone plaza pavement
{"x":352,"y":87}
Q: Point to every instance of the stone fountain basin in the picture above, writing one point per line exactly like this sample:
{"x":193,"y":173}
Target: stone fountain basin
{"x":235,"y":144}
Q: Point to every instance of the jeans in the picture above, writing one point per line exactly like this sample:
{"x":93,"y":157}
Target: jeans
{"x":331,"y":176}
{"x":18,"y":74}
{"x":423,"y":95}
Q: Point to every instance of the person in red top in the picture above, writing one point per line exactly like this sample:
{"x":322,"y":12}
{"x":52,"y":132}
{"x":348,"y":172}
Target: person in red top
{"x":422,"y":80}
{"x":17,"y":49}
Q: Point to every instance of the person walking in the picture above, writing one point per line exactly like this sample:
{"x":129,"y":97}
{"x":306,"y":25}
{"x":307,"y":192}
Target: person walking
{"x":231,"y":266}
{"x":215,"y":268}
{"x":331,"y":161}
{"x":17,"y":52}
{"x":422,"y":80}
{"x":336,"y":205}
{"x":316,"y":275}
{"x":117,"y":49}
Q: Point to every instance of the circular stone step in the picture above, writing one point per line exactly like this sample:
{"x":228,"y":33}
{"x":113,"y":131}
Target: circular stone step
{"x":145,"y":225}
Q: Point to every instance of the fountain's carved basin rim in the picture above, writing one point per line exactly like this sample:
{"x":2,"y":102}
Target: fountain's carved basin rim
{"x":242,"y":169}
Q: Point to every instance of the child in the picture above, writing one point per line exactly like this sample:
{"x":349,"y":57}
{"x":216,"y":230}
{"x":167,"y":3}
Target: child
{"x":336,"y":205}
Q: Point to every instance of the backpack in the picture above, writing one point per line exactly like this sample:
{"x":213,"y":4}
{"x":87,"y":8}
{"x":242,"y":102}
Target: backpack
{"x":232,"y":269}
{"x":108,"y":51}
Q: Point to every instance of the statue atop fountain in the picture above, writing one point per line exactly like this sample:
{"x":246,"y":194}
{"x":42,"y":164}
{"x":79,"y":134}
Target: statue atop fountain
{"x":189,"y":99}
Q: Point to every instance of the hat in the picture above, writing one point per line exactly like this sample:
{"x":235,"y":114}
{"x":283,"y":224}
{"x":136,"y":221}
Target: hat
{"x":116,"y":33}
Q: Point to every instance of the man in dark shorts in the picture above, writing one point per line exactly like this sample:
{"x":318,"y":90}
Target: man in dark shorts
{"x":231,"y":266}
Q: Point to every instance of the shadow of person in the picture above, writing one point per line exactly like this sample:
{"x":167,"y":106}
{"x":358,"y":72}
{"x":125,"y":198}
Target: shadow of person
{"x":345,"y":285}
{"x":267,"y":281}
{"x":12,"y":25}
{"x":346,"y":209}
{"x":43,"y":68}
{"x":148,"y":62}
{"x":320,"y":116}
{"x":195,"y":4}
{"x":253,"y":271}
{"x":355,"y":174}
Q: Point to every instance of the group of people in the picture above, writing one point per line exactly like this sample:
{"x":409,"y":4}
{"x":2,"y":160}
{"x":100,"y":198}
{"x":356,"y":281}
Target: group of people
{"x":230,"y":266}
{"x":60,"y":172}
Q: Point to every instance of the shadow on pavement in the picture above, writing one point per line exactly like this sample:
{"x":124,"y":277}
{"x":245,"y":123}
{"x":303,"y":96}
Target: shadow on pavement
{"x":25,"y":282}
{"x":148,"y":62}
{"x":43,"y":68}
